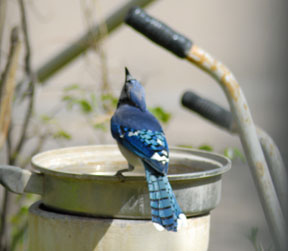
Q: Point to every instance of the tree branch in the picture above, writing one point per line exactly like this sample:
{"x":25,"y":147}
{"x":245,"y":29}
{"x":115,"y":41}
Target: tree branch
{"x":4,"y":243}
{"x":6,"y":97}
{"x":7,"y":85}
{"x":19,"y":235}
{"x":41,"y":140}
{"x":31,"y":86}
{"x":3,"y":4}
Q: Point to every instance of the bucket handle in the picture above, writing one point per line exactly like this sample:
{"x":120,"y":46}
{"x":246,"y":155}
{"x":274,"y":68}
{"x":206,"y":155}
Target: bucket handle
{"x":18,"y":180}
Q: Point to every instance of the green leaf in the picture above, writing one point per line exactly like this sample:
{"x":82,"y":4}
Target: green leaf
{"x":71,"y":87}
{"x":206,"y":148}
{"x":70,"y":101}
{"x":186,"y":146}
{"x":253,"y":237}
{"x":85,"y":105}
{"x":253,"y":234}
{"x":17,"y":218}
{"x":93,"y":100}
{"x":202,"y":147}
{"x":61,"y":134}
{"x":45,"y":118}
{"x":229,"y":153}
{"x":109,"y":98}
{"x":100,"y":126}
{"x":234,"y":153}
{"x":67,"y":98}
{"x":160,"y":114}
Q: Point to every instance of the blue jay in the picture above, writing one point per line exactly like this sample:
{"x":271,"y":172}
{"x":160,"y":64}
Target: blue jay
{"x":142,"y":141}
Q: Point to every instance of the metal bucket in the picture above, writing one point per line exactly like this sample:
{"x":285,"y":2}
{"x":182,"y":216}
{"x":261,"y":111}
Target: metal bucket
{"x":79,"y":189}
{"x":50,"y":230}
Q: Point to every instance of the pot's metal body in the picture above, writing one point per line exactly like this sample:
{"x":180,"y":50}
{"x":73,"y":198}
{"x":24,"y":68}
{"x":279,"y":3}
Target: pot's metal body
{"x":63,"y":232}
{"x":82,"y":180}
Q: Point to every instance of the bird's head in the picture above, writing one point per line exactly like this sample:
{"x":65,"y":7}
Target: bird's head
{"x":132,"y":93}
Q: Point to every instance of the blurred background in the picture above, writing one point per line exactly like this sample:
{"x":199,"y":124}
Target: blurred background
{"x":250,"y":37}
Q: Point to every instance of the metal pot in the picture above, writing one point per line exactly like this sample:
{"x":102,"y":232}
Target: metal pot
{"x":81,"y":180}
{"x":49,"y":230}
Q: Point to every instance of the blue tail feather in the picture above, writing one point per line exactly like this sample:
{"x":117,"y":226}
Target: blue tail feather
{"x":164,"y":207}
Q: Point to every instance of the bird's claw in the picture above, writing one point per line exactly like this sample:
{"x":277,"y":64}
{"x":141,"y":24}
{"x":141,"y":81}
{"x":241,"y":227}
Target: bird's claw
{"x":120,"y":176}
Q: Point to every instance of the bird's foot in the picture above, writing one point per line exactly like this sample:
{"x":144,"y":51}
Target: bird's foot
{"x":120,"y":175}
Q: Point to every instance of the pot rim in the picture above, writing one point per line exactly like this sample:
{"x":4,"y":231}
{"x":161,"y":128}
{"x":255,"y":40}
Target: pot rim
{"x":219,"y":163}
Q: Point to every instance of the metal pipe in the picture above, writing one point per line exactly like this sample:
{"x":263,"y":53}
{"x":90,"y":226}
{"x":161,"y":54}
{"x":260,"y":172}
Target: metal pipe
{"x":249,"y":140}
{"x":276,"y":167}
{"x":224,"y":118}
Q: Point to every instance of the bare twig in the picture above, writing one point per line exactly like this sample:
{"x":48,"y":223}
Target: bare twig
{"x":31,"y":86}
{"x":19,"y":235}
{"x":98,"y":47}
{"x":41,"y":140}
{"x":4,"y":237}
{"x":9,"y":143}
{"x":8,"y":85}
{"x":3,"y":4}
{"x":26,"y":39}
{"x":4,"y":243}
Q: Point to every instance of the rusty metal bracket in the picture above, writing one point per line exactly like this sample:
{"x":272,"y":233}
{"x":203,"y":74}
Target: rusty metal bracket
{"x":161,"y":33}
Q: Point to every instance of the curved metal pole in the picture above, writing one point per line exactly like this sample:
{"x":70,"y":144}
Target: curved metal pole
{"x":249,"y":140}
{"x":224,"y":118}
{"x":276,"y":167}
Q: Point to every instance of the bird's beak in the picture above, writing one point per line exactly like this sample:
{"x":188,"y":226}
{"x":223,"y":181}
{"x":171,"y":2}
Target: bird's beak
{"x":125,"y":90}
{"x":128,"y":75}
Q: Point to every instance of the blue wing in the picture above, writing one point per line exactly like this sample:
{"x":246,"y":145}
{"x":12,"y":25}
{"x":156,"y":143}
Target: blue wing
{"x":142,"y":134}
{"x":151,"y":146}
